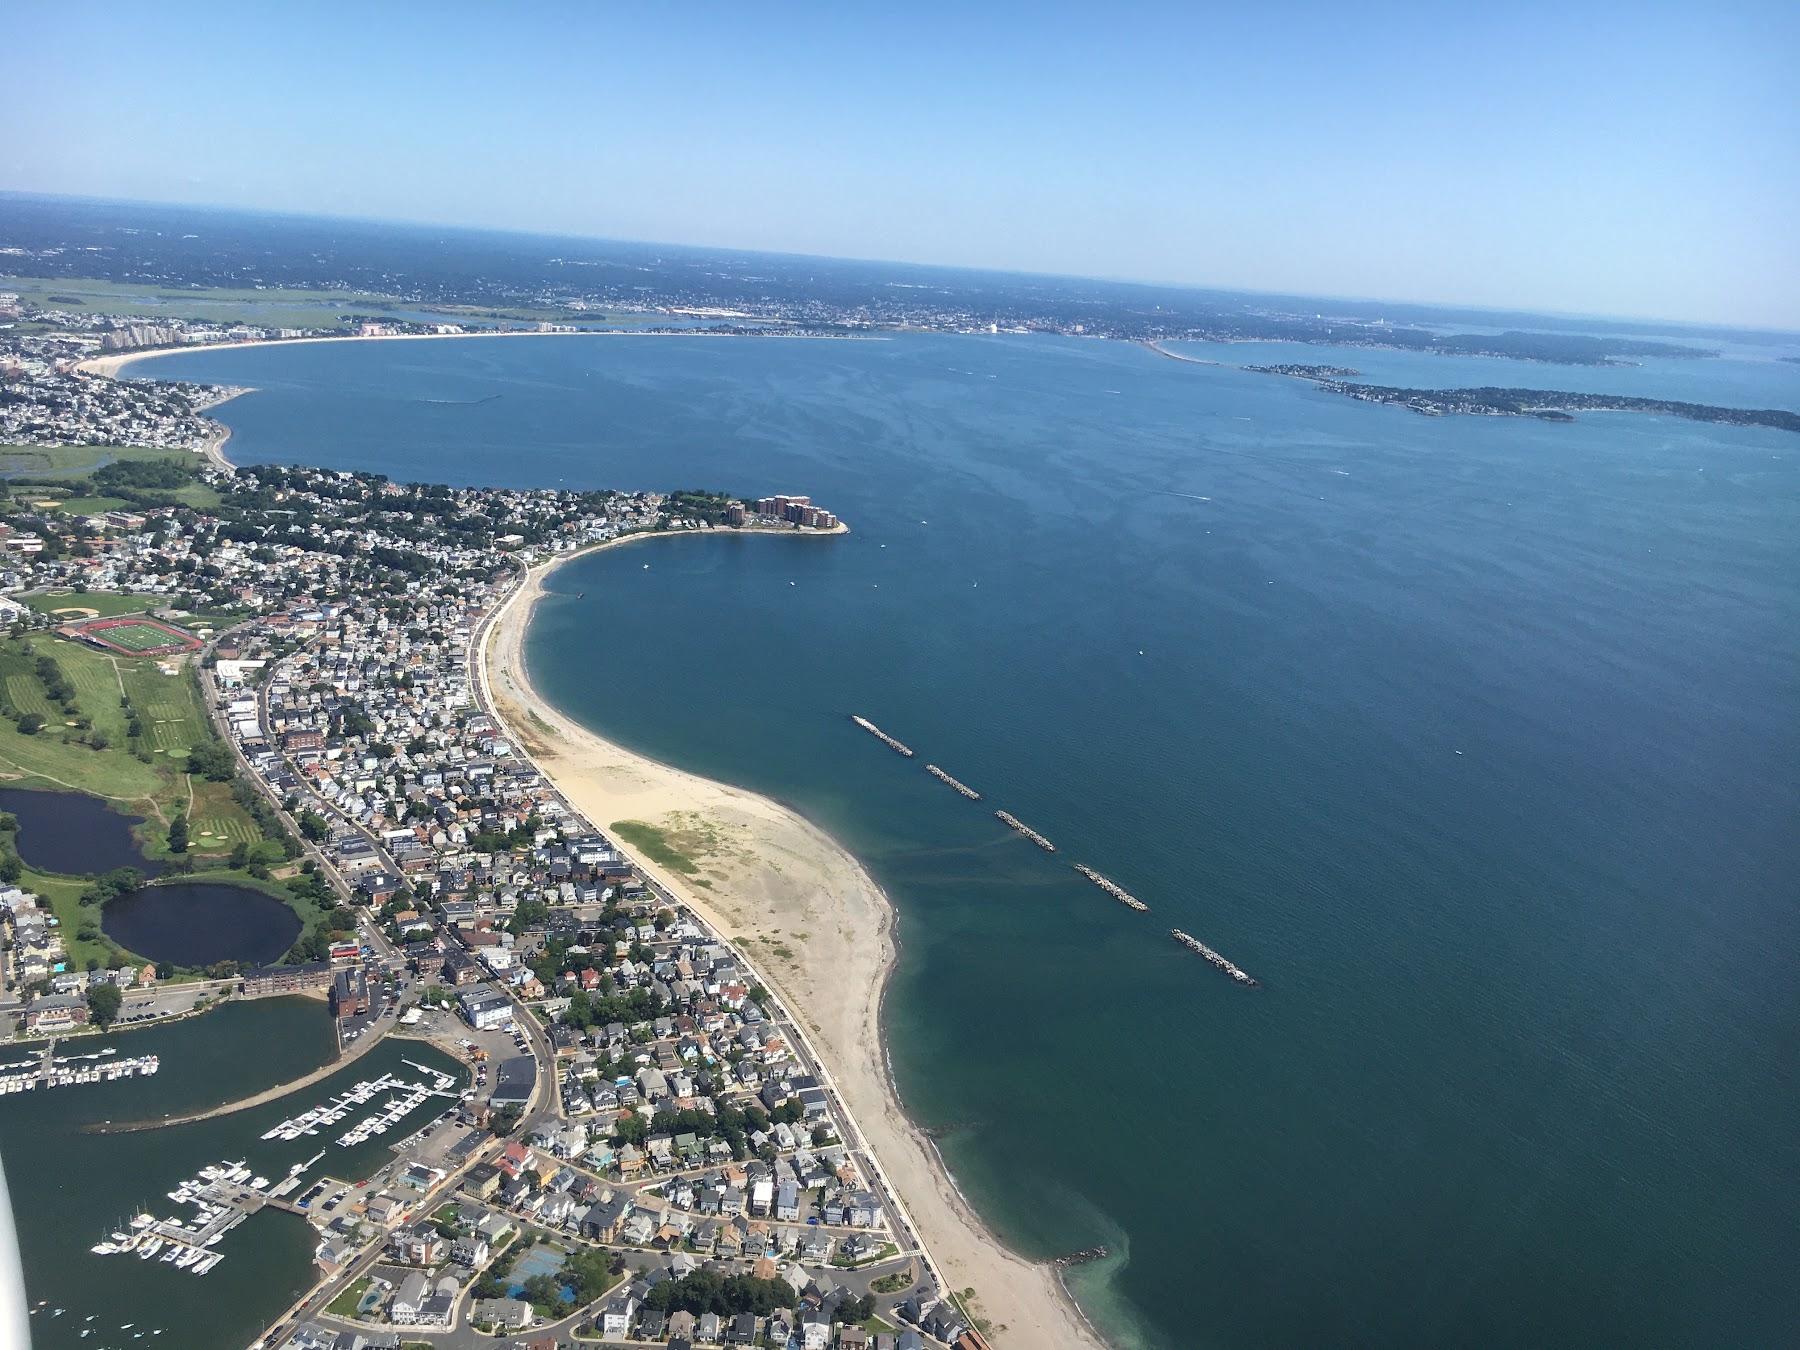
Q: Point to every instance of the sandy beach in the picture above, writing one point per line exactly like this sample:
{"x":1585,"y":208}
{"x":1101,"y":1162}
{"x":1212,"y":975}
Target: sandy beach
{"x":820,"y":931}
{"x":112,"y":363}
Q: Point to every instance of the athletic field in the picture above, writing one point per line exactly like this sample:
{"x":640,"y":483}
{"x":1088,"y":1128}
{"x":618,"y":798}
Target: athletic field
{"x":139,"y":637}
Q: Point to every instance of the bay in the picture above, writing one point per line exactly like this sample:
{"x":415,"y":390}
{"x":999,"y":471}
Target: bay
{"x":1472,"y":738}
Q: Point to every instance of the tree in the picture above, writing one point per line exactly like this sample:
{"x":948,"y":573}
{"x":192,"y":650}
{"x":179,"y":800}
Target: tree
{"x":31,"y":723}
{"x":103,"y":1004}
{"x":544,"y":1293}
{"x":178,"y":833}
{"x":854,"y":1310}
{"x":313,"y":826}
{"x":11,"y":869}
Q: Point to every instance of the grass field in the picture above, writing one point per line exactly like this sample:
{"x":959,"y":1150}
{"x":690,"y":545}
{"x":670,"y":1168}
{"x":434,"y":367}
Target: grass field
{"x":197,"y":495}
{"x":106,"y":604}
{"x":274,"y":307}
{"x":135,"y":636}
{"x":80,"y":924}
{"x":72,"y":461}
{"x":168,"y":708}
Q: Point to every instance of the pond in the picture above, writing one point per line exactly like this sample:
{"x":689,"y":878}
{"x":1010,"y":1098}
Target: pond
{"x":195,"y":923}
{"x":73,"y":833}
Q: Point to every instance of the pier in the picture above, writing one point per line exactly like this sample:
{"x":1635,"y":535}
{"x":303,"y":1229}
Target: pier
{"x":1112,"y":888}
{"x":1194,"y":944}
{"x":1008,"y":818}
{"x":51,"y":1070}
{"x":943,"y":777}
{"x":882,"y":736}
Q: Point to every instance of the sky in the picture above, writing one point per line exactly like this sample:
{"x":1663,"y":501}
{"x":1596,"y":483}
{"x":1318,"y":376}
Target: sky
{"x":1630,"y":160}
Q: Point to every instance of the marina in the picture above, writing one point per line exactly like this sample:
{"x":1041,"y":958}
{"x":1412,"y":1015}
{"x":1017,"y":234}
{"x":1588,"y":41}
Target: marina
{"x":51,"y":1070}
{"x":309,"y":1123}
{"x":1194,"y":944}
{"x":222,"y":1194}
{"x":882,"y":736}
{"x":396,"y":1110}
{"x":961,"y":787}
{"x":1112,"y":888}
{"x":1008,"y":818}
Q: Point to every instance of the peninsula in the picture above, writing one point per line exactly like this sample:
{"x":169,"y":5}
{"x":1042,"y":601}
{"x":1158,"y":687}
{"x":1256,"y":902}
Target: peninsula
{"x":512,"y":866}
{"x":1554,"y":405}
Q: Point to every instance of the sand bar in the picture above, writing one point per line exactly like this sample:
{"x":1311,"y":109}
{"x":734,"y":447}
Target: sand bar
{"x":821,"y":932}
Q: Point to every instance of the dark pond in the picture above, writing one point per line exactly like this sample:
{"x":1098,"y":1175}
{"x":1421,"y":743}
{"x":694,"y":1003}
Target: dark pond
{"x":194,"y":923}
{"x":73,"y":832}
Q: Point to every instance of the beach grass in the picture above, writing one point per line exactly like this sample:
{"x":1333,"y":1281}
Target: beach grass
{"x":674,"y":849}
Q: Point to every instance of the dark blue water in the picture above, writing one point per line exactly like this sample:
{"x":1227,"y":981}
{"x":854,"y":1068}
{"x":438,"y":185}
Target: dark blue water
{"x":1472,"y":738}
{"x":73,"y":833}
{"x":195,"y":923}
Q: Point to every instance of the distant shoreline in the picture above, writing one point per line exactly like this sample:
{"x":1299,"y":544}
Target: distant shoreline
{"x":109,"y":365}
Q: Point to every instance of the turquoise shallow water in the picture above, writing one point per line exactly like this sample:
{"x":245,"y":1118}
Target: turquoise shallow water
{"x":1473,"y":738}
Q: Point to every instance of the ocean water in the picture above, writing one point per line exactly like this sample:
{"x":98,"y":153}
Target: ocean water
{"x":1473,"y":739}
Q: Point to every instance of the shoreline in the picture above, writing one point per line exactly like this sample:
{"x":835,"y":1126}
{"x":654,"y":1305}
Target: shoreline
{"x":109,"y":365}
{"x":776,"y":877}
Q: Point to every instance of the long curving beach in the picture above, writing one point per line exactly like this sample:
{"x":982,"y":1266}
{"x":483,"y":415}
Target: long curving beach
{"x":818,"y":927}
{"x":112,"y":363}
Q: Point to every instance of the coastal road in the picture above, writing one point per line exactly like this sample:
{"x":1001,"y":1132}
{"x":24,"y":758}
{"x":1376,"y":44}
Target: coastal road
{"x":214,"y":698}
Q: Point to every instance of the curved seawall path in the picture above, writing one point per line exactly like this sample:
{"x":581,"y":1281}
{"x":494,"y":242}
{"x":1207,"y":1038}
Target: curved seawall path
{"x":820,"y":928}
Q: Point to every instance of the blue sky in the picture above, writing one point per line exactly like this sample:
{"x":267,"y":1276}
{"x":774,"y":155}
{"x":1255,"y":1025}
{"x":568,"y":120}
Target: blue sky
{"x":1630,"y":159}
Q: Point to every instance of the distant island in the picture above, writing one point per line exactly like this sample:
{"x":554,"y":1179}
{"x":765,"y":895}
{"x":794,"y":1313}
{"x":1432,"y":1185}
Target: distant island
{"x":1555,"y":405}
{"x":1306,"y":372}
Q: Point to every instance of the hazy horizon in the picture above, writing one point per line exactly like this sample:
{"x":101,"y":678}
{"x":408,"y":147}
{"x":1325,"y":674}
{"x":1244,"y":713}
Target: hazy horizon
{"x":1451,"y":306}
{"x":1624,"y":162}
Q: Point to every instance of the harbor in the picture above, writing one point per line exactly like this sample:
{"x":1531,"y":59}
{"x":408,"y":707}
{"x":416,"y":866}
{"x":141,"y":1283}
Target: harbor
{"x":961,"y":787}
{"x":407,"y":1096}
{"x":1112,"y":888}
{"x":1008,"y":818}
{"x":223,"y":1195}
{"x":1194,"y":944}
{"x":896,"y":746}
{"x":50,"y":1070}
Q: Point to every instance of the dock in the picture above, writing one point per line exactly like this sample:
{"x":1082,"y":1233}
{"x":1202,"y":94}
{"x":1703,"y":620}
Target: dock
{"x":1008,"y":818}
{"x":943,"y":777}
{"x":50,"y":1070}
{"x":882,"y":736}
